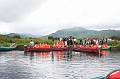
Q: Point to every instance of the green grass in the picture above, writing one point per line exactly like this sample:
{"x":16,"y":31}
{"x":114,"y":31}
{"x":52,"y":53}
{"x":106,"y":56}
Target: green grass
{"x":6,"y":41}
{"x":115,"y":44}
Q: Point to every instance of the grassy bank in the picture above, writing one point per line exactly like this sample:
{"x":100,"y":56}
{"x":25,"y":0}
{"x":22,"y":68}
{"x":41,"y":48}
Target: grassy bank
{"x":6,"y":41}
{"x":115,"y":44}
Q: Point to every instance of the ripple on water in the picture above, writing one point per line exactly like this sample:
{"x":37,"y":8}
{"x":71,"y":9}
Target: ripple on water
{"x":56,"y":65}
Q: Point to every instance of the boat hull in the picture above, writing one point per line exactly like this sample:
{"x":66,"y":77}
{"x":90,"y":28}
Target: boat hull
{"x":88,"y":49}
{"x":31,"y":49}
{"x":77,"y":49}
{"x":60,"y":49}
{"x":3,"y":49}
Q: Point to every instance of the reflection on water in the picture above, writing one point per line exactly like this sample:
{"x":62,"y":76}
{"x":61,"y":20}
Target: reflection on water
{"x":57,"y":65}
{"x":53,"y":56}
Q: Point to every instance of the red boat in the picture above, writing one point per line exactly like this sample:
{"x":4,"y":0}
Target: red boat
{"x":59,"y":49}
{"x":89,"y":49}
{"x":33,"y":49}
{"x":103,"y":53}
{"x":81,"y":48}
{"x":114,"y":75}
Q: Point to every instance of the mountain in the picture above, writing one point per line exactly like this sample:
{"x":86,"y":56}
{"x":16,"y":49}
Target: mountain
{"x":30,"y":35}
{"x":83,"y":33}
{"x":23,"y":35}
{"x":12,"y":34}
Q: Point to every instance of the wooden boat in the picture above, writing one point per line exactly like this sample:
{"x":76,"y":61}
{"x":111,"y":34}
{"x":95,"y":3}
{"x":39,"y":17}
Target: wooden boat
{"x":3,"y":49}
{"x":93,"y":49}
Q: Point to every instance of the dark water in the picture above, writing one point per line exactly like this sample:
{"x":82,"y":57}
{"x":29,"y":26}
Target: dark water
{"x":57,"y":65}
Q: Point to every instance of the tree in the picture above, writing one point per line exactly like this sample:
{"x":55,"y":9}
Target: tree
{"x":16,"y":36}
{"x":50,"y":37}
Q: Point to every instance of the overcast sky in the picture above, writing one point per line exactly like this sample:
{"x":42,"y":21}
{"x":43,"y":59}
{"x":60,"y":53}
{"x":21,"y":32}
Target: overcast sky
{"x":47,"y":16}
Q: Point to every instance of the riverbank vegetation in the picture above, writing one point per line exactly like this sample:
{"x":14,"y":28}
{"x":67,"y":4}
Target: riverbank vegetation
{"x":6,"y":41}
{"x":115,"y":43}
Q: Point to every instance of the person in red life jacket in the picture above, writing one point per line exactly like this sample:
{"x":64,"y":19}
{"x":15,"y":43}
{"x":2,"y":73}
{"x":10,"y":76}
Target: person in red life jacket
{"x":57,"y":44}
{"x":37,"y":46}
{"x":60,"y":44}
{"x":47,"y":46}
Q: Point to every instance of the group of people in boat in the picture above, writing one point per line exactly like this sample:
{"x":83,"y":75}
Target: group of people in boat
{"x":95,"y":41}
{"x":70,"y":41}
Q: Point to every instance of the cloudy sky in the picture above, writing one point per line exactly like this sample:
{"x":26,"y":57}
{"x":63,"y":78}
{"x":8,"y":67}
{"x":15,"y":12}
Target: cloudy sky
{"x":47,"y":16}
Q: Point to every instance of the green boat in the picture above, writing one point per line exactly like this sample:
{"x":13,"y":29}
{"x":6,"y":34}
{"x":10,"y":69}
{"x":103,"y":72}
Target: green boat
{"x":4,"y":49}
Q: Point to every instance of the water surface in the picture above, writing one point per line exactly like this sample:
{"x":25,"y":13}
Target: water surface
{"x":57,"y":65}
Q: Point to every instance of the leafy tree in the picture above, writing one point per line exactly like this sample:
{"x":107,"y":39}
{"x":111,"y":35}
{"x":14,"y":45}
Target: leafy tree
{"x":50,"y":37}
{"x":16,"y":36}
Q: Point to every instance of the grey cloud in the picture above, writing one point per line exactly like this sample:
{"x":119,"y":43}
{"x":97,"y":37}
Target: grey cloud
{"x":11,"y":10}
{"x":104,"y":26}
{"x":33,"y":28}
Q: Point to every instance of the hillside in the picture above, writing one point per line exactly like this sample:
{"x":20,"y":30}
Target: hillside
{"x":83,"y":33}
{"x":23,"y":35}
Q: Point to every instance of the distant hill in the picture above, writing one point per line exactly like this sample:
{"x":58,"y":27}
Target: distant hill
{"x":3,"y":36}
{"x":12,"y":34}
{"x":83,"y":33}
{"x":23,"y":35}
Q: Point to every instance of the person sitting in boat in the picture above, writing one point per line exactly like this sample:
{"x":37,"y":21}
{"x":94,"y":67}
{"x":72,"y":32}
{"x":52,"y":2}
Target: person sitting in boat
{"x":81,"y":42}
{"x":60,"y":44}
{"x":32,"y":43}
{"x":84,"y":41}
{"x":70,"y":41}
